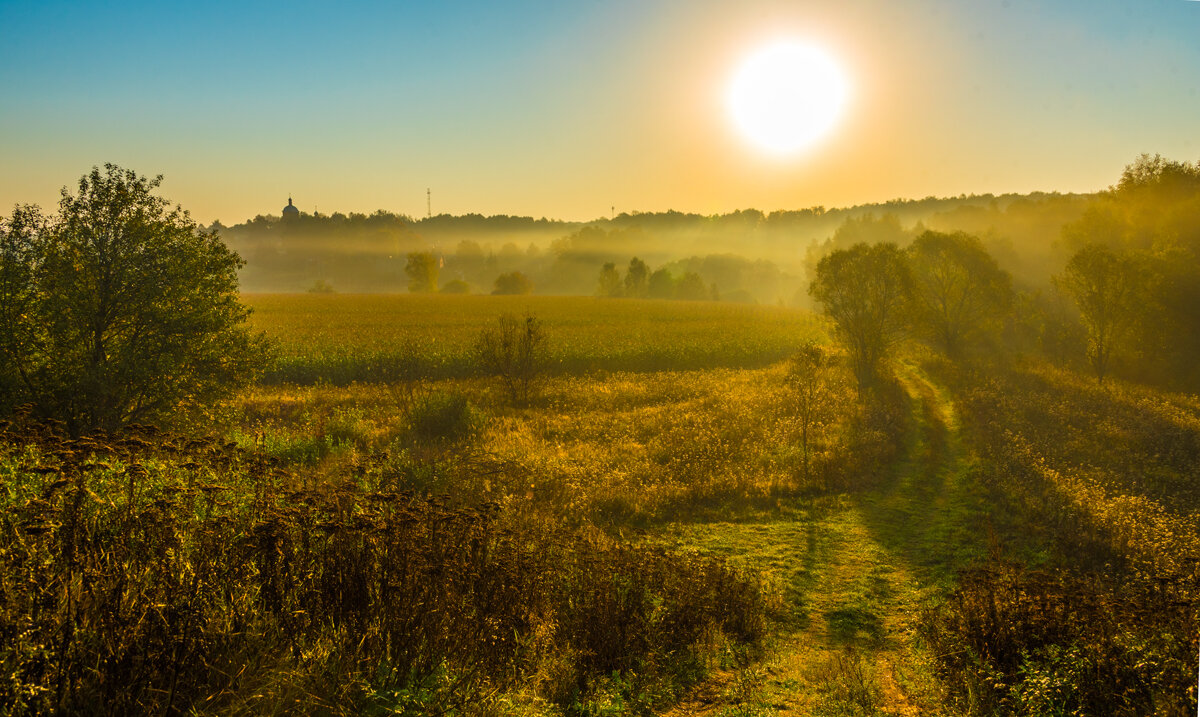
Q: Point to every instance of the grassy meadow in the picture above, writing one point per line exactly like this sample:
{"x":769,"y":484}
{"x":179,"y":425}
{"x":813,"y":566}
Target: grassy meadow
{"x":663,"y":528}
{"x":372,"y":337}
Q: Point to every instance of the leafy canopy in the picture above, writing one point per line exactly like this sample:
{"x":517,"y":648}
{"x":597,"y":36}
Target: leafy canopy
{"x":118,"y":309}
{"x":865,"y":290}
{"x":960,"y":293}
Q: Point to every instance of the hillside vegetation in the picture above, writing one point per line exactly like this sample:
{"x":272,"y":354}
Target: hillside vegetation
{"x":951,"y":492}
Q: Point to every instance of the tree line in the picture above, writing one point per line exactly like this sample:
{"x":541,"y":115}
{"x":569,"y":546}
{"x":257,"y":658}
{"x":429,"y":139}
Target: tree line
{"x":1131,"y":288}
{"x":640,"y":283}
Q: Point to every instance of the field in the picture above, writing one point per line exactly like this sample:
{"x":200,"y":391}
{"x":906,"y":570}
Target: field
{"x":339,"y":339}
{"x":660,"y":529}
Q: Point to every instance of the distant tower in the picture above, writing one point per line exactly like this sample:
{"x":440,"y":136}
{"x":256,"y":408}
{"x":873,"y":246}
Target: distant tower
{"x":290,"y":211}
{"x":428,"y":202}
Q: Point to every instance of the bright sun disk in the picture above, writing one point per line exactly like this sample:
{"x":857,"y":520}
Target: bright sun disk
{"x":786,"y":96}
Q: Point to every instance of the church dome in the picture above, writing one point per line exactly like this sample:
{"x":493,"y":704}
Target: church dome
{"x":290,"y":210}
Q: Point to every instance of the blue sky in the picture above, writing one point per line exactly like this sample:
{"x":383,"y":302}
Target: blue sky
{"x":566,"y":108}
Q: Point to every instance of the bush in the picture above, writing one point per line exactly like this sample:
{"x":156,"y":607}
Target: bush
{"x":1010,"y":640}
{"x":514,"y":350}
{"x":445,"y":416}
{"x":514,"y":283}
{"x":456,"y":286}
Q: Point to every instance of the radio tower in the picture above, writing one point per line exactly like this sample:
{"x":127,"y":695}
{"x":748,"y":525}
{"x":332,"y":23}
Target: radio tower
{"x":428,"y":203}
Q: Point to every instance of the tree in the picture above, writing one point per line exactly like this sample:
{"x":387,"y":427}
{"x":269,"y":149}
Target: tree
{"x":959,"y":291}
{"x":119,"y":309}
{"x":661,"y":285}
{"x":515,"y":350}
{"x":637,"y":279}
{"x":692,"y":288}
{"x":1152,"y":217}
{"x":808,"y":376}
{"x":422,"y":270}
{"x":864,"y":289}
{"x":514,"y":282}
{"x":609,"y":285}
{"x":1105,"y":286}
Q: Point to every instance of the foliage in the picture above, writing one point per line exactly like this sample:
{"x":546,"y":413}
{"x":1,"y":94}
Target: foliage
{"x":864,"y":289}
{"x":320,"y":286}
{"x":1014,"y":641}
{"x":814,"y":386}
{"x":209,"y":579}
{"x":865,"y":228}
{"x":661,"y":284}
{"x":515,"y":351}
{"x":355,"y":252}
{"x":960,"y":294}
{"x":637,"y":279}
{"x":422,"y":271}
{"x":609,"y":283}
{"x":118,"y":309}
{"x":513,"y":283}
{"x":692,"y":288}
{"x":444,"y":416}
{"x":1105,"y":286}
{"x":1148,"y":225}
{"x":1102,"y":481}
{"x":456,"y":286}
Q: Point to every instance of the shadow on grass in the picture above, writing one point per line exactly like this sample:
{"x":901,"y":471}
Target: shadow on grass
{"x":928,"y":510}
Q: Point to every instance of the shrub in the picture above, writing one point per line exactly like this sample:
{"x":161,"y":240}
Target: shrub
{"x":513,"y":283}
{"x":456,"y":286}
{"x":515,"y":351}
{"x":444,"y":416}
{"x":1010,"y":640}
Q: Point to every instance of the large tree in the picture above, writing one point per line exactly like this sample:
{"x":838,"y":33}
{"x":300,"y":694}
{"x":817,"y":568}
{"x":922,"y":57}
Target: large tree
{"x":1106,"y":286}
{"x":959,"y":291}
{"x":118,"y":309}
{"x":865,"y":289}
{"x":1152,"y":218}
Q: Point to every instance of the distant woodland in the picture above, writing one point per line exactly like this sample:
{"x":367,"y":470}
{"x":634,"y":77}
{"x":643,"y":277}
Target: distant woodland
{"x":746,"y":256}
{"x":1113,"y":276}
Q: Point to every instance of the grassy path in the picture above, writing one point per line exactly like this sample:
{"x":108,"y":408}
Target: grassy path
{"x":854,"y":571}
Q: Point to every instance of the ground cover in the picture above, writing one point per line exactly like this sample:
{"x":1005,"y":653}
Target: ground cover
{"x":924,"y":559}
{"x":857,"y":569}
{"x":339,"y":339}
{"x":1092,"y":605}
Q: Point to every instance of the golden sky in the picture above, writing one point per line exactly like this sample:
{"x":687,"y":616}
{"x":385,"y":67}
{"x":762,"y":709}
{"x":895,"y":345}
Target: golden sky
{"x":566,"y":109}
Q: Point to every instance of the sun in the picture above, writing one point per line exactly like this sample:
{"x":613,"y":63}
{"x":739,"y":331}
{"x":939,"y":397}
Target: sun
{"x":786,"y":96}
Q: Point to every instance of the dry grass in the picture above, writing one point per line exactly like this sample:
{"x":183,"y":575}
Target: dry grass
{"x":150,"y":574}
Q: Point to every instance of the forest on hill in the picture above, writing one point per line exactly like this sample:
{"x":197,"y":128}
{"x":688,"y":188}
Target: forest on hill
{"x":748,"y":255}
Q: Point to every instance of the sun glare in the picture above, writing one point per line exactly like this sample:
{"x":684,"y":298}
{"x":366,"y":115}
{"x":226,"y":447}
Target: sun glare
{"x":786,"y":96}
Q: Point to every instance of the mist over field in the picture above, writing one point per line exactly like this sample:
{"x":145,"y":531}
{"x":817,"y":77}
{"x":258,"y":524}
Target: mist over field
{"x":749,"y":255}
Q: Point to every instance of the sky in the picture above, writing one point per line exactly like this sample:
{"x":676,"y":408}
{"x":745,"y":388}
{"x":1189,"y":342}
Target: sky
{"x":572,"y":109}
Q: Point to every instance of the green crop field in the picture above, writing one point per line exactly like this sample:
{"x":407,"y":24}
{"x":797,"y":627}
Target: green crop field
{"x":339,"y":339}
